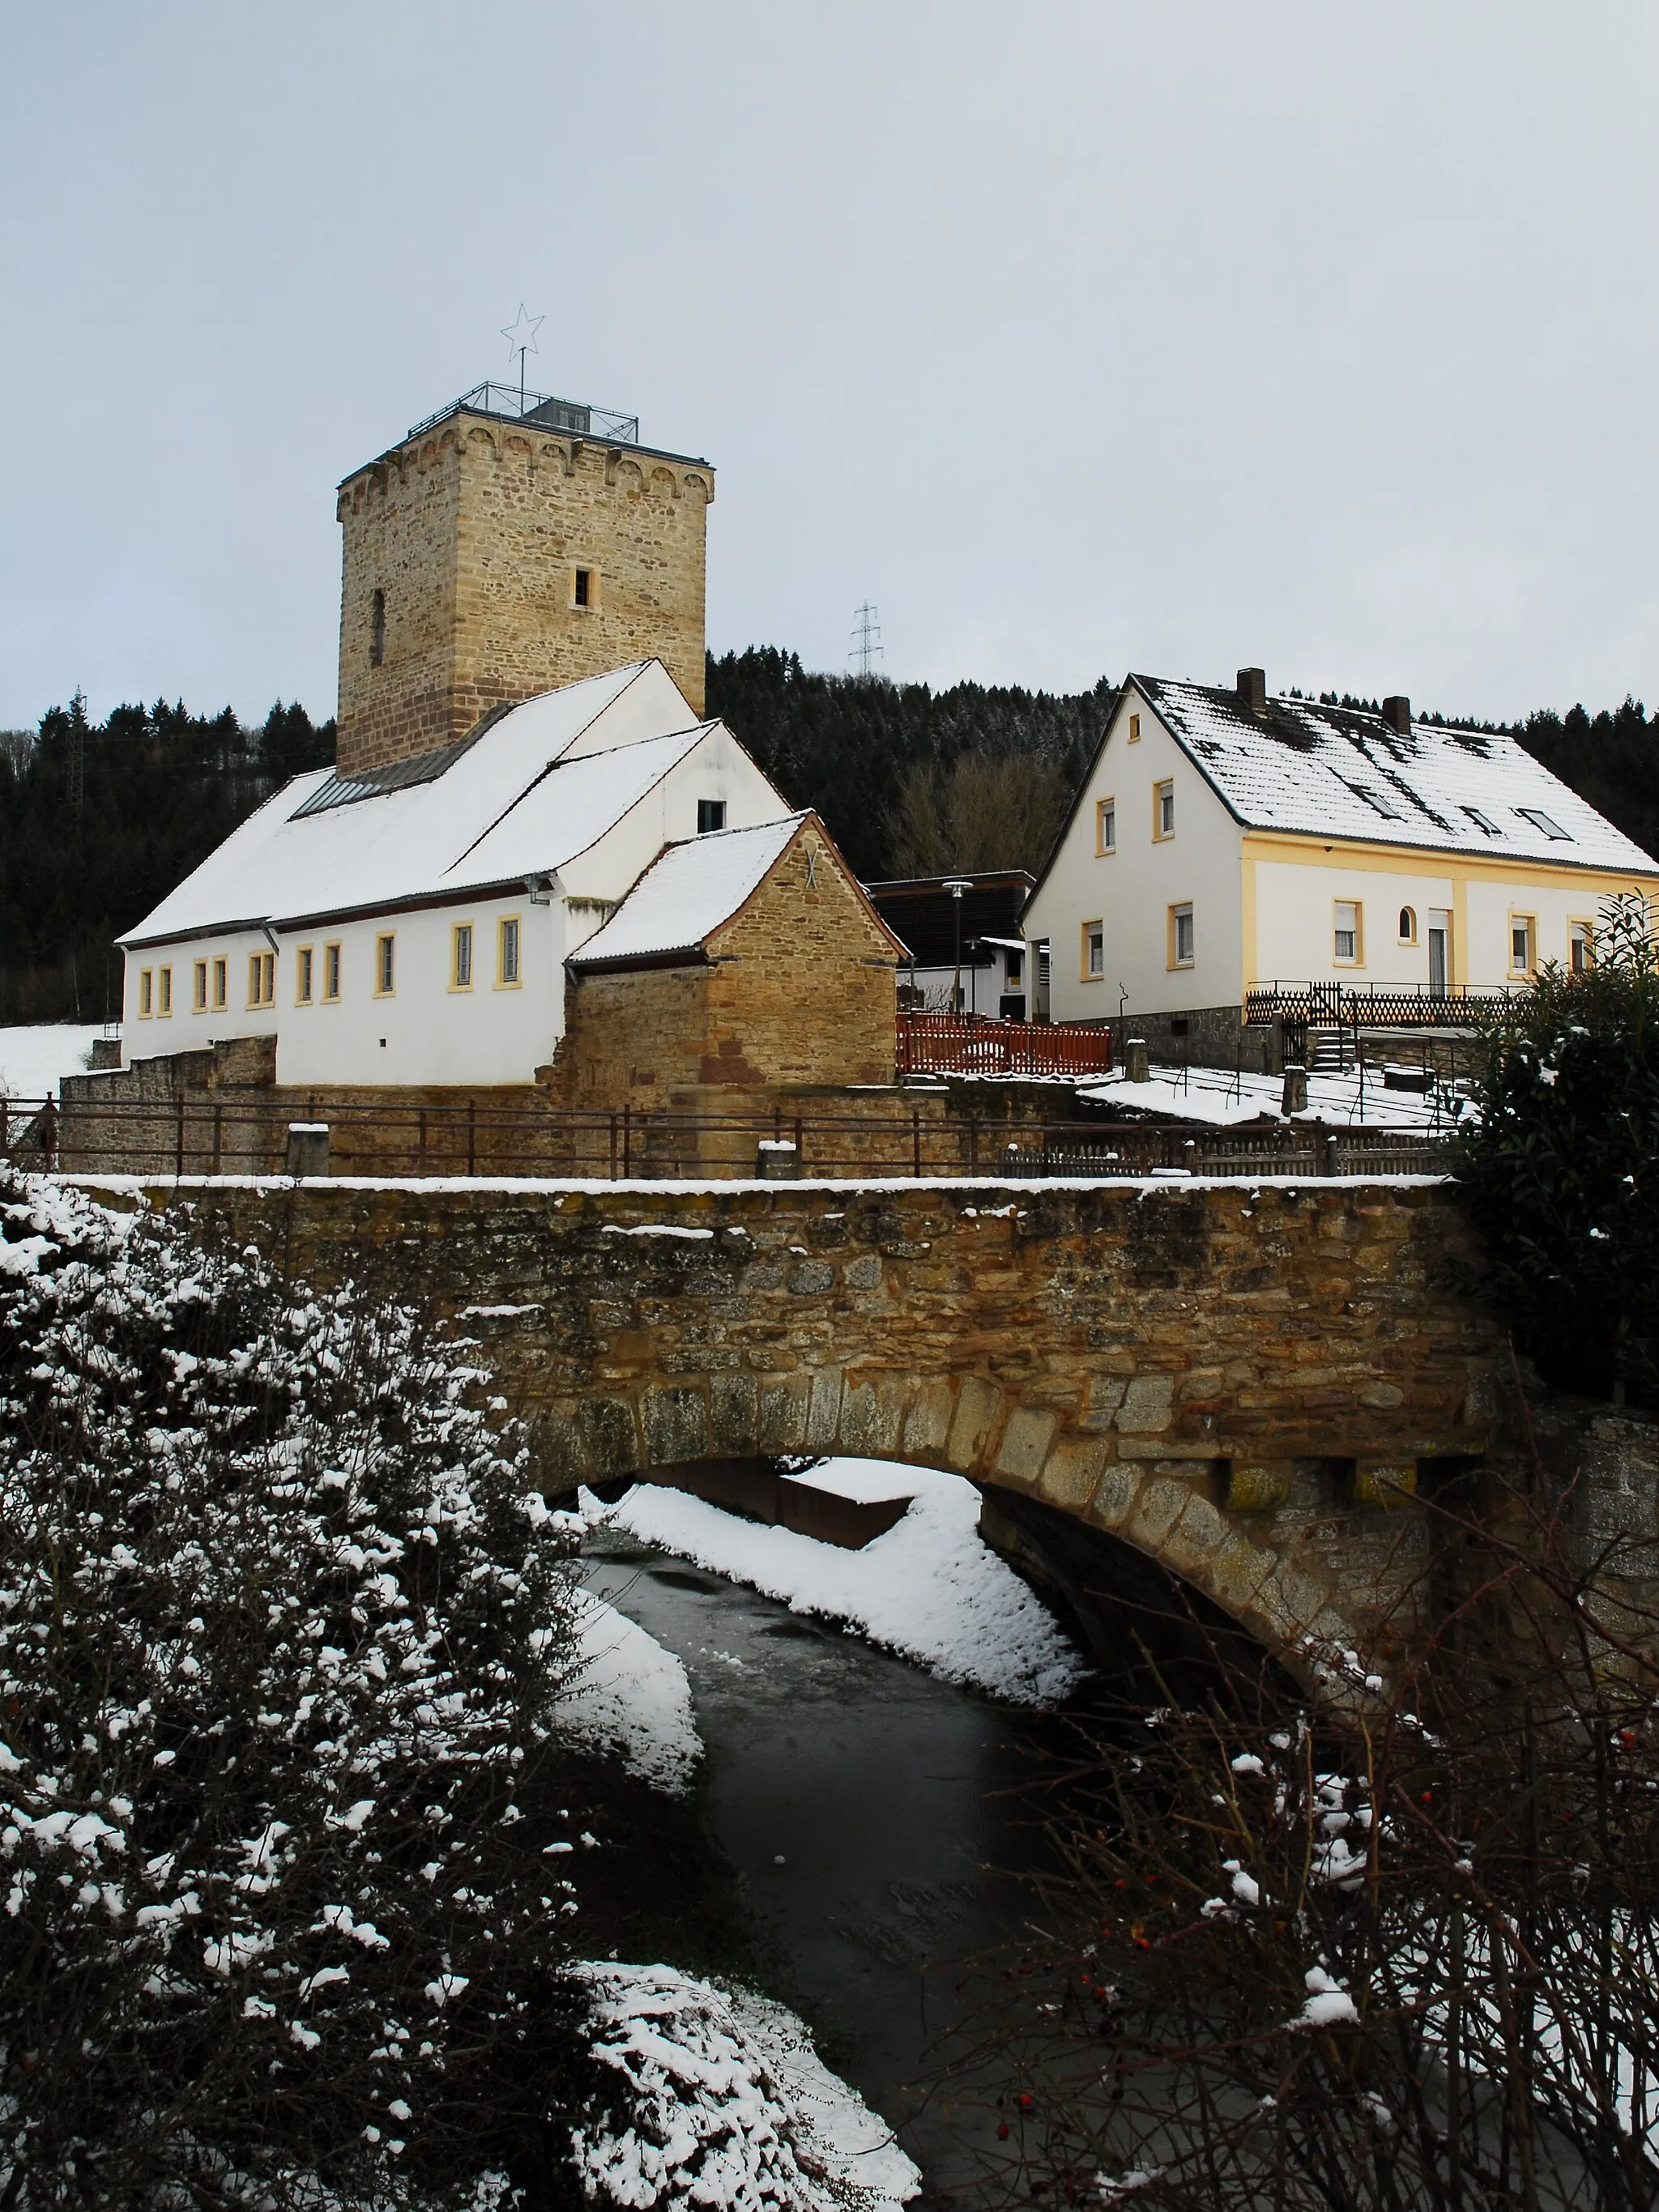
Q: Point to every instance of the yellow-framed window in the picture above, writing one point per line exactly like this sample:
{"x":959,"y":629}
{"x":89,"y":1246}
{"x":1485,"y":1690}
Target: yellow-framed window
{"x":385,"y":964}
{"x":1091,"y":953}
{"x":198,"y":988}
{"x":221,"y":984}
{"x":305,"y":975}
{"x":1581,"y":947}
{"x":509,"y":952}
{"x":1523,"y":944}
{"x":1135,"y":729}
{"x":1105,"y":827}
{"x":331,"y":974}
{"x":146,"y":994}
{"x":1163,"y":810}
{"x":163,"y":991}
{"x":1183,"y":935}
{"x":262,"y":979}
{"x":460,"y":957}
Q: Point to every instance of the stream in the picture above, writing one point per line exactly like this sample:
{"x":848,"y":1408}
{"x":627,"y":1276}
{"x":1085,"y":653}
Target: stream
{"x":864,"y":1806}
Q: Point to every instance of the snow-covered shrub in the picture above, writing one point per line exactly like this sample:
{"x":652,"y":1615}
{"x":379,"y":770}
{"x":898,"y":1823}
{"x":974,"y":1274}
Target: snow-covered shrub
{"x":709,"y":2097}
{"x":277,"y":1641}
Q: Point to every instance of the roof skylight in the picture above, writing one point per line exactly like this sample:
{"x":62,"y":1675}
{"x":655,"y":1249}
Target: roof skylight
{"x":1378,"y":801}
{"x":1539,"y":820}
{"x":1483,"y":823}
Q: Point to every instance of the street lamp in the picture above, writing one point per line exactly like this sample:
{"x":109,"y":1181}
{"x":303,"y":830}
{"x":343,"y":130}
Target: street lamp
{"x":956,"y":885}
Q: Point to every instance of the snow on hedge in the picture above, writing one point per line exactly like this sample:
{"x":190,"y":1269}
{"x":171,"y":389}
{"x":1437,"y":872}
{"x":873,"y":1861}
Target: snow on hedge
{"x":278,"y":1642}
{"x":717,"y":2098}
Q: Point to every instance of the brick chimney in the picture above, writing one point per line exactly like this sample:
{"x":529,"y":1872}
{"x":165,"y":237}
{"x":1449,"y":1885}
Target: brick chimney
{"x":1397,"y":716}
{"x":1253,"y":690}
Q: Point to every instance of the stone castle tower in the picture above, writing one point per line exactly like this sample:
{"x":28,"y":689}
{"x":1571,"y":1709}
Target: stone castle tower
{"x":496,"y":553}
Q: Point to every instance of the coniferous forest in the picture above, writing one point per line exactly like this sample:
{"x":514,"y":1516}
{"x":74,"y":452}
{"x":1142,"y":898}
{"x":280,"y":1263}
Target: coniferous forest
{"x":97,"y":822}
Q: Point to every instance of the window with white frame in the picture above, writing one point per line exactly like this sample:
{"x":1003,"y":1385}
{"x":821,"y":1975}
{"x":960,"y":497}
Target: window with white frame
{"x":1522,"y":931}
{"x":1346,"y":931}
{"x":1094,"y":951}
{"x":1105,"y":826}
{"x":1163,"y":810}
{"x":1182,"y":936}
{"x":1581,"y":946}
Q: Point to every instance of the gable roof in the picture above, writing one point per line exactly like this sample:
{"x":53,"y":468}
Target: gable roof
{"x":686,"y":895}
{"x":542,"y":782}
{"x":1341,"y":772}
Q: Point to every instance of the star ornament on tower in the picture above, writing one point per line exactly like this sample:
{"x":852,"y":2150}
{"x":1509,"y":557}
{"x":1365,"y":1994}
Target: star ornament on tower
{"x":521,"y":336}
{"x":521,"y":339}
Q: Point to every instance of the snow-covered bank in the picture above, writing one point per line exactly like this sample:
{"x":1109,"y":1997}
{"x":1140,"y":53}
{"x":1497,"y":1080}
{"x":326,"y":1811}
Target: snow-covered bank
{"x":35,"y":1059}
{"x":723,"y":2100}
{"x":632,"y":1698}
{"x":929,"y":1589}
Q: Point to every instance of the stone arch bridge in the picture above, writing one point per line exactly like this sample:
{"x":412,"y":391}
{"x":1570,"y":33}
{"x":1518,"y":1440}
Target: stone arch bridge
{"x":1241,"y":1384}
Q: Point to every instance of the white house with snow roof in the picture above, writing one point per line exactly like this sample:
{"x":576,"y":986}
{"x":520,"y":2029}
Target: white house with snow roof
{"x":1225,"y":842}
{"x":410,"y":925}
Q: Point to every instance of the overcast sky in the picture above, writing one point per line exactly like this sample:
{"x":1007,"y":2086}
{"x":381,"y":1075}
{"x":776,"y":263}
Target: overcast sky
{"x":1077,"y":337}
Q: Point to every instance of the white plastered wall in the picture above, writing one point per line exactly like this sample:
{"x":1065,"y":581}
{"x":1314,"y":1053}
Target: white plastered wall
{"x":1131,"y":890}
{"x":1295,"y":916}
{"x":426,"y":1031}
{"x":184,"y":1029}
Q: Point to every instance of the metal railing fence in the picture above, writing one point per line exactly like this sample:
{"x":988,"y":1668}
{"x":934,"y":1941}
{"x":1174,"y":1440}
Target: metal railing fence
{"x":168,"y":1139}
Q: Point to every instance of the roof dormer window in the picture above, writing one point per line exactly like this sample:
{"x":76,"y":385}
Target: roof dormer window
{"x":1539,"y":820}
{"x":1483,"y":823}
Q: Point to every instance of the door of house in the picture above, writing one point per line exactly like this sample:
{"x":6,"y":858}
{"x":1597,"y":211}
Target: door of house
{"x":1439,"y":953}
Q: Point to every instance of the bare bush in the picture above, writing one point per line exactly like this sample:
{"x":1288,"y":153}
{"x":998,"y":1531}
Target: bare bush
{"x":1395,"y":1947}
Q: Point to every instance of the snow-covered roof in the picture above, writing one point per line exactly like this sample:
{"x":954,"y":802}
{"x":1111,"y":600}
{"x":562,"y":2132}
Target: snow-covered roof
{"x":539,"y":785}
{"x":1343,"y":772}
{"x":686,"y":893}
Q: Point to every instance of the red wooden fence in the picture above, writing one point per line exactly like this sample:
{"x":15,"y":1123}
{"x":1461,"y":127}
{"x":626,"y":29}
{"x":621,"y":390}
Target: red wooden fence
{"x":972,"y":1044}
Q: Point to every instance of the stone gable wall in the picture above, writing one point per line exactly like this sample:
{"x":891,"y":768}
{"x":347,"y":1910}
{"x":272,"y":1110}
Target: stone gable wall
{"x":473,"y":532}
{"x":800,"y":993}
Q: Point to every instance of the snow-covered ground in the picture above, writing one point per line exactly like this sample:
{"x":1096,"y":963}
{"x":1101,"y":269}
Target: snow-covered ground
{"x":1216,"y":1095}
{"x":727,"y":2102}
{"x":930,"y":1589}
{"x":33,"y":1060}
{"x":632,"y":1698}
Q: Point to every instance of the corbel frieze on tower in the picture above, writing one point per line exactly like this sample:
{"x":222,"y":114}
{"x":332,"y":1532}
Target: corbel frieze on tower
{"x":484,"y":560}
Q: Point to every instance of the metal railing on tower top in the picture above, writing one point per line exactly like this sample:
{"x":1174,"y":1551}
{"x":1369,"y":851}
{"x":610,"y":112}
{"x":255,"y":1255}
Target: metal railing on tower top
{"x":516,"y":404}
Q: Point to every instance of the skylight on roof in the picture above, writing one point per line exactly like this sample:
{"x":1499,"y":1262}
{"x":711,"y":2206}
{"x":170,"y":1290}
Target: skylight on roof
{"x":338,"y":790}
{"x":1483,"y":823}
{"x":1378,"y":801}
{"x":1539,"y":820}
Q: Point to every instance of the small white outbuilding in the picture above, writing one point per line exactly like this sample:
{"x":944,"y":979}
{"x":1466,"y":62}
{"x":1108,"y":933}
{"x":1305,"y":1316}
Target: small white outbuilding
{"x":410,"y":925}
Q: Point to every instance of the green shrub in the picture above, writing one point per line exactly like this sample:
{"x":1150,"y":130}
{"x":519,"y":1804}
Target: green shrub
{"x":1560,"y":1171}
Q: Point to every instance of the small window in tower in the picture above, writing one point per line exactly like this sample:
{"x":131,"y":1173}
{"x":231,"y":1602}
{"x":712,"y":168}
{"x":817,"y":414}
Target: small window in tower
{"x":584,"y":587}
{"x":711,"y":815}
{"x":377,"y":629}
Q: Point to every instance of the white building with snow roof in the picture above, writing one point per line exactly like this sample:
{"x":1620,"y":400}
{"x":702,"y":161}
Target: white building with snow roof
{"x":1226,"y":843}
{"x":411,"y":924}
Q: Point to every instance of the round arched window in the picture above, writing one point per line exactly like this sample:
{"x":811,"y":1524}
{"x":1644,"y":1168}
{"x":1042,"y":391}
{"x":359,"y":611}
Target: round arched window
{"x":1407,"y":926}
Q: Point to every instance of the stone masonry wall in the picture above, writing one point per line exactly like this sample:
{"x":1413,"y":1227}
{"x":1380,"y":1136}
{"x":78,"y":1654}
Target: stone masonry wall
{"x":1242,"y":1382}
{"x":800,"y":990}
{"x":473,"y":532}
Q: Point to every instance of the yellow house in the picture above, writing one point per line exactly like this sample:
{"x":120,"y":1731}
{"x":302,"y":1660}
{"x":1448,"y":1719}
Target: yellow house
{"x":1233,"y":851}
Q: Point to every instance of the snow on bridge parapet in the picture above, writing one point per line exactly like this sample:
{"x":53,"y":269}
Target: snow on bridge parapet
{"x":1241,"y":1380}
